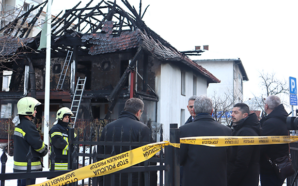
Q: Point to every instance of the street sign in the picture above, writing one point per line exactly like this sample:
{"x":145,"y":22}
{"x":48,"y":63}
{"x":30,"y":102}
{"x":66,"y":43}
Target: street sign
{"x":293,"y":91}
{"x":293,"y":85}
{"x":293,"y":99}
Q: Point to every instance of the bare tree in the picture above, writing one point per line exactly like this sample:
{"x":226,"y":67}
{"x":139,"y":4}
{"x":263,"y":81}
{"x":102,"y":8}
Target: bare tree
{"x":222,"y":105}
{"x":270,"y":84}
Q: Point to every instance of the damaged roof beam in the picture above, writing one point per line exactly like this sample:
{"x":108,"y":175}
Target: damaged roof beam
{"x":72,"y":20}
{"x":88,"y":15}
{"x":124,"y":77}
{"x":60,"y":21}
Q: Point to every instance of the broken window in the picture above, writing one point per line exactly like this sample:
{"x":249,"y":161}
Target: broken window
{"x":123,"y":67}
{"x":85,"y":70}
{"x":6,"y":110}
{"x":6,"y":80}
{"x":96,"y":112}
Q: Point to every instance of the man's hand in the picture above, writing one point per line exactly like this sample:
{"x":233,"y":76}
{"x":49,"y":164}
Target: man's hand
{"x":45,"y":151}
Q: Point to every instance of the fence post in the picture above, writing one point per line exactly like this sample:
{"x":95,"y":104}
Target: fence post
{"x":3,"y":165}
{"x":173,"y":158}
{"x":70,"y":147}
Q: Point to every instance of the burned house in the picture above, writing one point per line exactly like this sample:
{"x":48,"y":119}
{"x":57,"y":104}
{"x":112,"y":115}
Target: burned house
{"x":100,"y":57}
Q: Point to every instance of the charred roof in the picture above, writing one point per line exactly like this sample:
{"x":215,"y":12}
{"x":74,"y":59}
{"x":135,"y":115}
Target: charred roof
{"x":104,"y":28}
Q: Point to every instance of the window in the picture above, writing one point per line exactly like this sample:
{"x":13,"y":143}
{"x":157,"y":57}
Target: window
{"x":6,"y":110}
{"x":6,"y":80}
{"x":182,"y":117}
{"x":194,"y":85}
{"x":183,"y":83}
{"x":123,"y":66}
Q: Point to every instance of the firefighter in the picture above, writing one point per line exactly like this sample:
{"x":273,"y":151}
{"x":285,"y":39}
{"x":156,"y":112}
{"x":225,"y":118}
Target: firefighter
{"x":27,"y":137}
{"x":59,"y":138}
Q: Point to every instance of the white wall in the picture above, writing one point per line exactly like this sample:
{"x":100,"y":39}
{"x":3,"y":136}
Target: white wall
{"x":171,"y":101}
{"x":238,"y":89}
{"x":223,"y":70}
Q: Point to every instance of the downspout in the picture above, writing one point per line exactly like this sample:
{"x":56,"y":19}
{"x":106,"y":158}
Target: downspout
{"x":32,"y":78}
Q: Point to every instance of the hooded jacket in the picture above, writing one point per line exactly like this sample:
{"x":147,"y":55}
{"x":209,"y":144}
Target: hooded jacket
{"x":26,"y":136}
{"x":243,"y":166}
{"x":59,"y":140}
{"x":273,"y":125}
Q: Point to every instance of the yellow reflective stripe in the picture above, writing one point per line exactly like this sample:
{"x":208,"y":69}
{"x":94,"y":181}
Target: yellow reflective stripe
{"x":65,"y":150}
{"x":56,"y":133}
{"x":42,"y":147}
{"x":20,"y":131}
{"x":61,"y":166}
{"x":25,"y":163}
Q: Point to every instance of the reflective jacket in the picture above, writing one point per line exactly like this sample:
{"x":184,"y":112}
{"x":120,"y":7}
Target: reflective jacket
{"x":26,"y":136}
{"x":59,"y":140}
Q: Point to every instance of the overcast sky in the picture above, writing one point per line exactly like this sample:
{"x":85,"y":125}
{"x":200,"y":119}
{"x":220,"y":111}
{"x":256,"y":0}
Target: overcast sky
{"x":262,"y":33}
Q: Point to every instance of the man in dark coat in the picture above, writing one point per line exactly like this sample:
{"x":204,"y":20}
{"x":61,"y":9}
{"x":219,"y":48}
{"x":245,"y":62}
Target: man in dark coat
{"x":191,"y":109}
{"x":204,"y":166}
{"x":243,"y":165}
{"x":274,"y":124}
{"x":130,"y":128}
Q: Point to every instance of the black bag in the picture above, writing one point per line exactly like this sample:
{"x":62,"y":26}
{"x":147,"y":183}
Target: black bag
{"x":283,"y":167}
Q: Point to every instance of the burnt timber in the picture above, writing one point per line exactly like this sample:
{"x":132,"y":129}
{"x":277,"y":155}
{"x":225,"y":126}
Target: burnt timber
{"x":108,"y":43}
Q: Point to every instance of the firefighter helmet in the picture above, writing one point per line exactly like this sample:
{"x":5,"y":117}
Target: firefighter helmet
{"x":26,"y":105}
{"x":62,"y":112}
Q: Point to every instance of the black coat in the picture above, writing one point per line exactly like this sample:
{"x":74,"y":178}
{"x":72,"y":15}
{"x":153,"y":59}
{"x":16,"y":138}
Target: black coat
{"x":273,"y":125}
{"x":202,"y":165}
{"x":129,"y":123}
{"x":189,"y":120}
{"x":243,"y":166}
{"x":59,"y":139}
{"x":26,"y":136}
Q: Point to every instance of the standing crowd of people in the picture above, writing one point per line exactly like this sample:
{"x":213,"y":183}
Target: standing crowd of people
{"x":235,"y":165}
{"x":200,"y":165}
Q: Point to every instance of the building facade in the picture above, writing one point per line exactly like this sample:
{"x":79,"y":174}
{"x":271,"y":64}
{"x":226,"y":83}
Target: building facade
{"x":229,"y":91}
{"x":119,"y":59}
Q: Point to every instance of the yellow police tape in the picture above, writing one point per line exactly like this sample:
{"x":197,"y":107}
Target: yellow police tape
{"x":222,"y":141}
{"x":108,"y":165}
{"x":143,"y":153}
